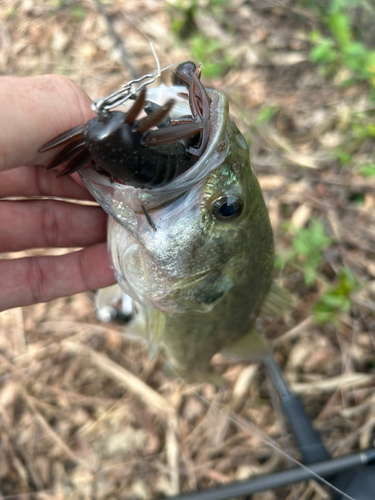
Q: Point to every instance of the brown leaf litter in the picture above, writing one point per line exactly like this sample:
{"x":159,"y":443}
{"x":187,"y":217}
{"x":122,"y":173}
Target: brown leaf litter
{"x":83,"y":412}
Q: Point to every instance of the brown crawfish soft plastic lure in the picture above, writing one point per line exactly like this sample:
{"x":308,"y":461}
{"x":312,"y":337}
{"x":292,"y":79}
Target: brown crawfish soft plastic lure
{"x":132,"y":151}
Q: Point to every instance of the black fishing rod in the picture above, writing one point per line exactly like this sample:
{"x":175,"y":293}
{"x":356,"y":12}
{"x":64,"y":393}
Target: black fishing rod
{"x":356,"y":481}
{"x":354,"y":474}
{"x":288,"y":477}
{"x":307,"y":439}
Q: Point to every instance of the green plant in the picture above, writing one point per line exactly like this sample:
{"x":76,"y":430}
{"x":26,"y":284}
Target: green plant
{"x":368,"y":170}
{"x":363,"y":130}
{"x":340,"y":49}
{"x":336,"y":300}
{"x":265,"y":114}
{"x":343,"y":156}
{"x":307,"y":250}
{"x":308,"y":245}
{"x":209,"y":52}
{"x":182,"y":13}
{"x":359,"y":128}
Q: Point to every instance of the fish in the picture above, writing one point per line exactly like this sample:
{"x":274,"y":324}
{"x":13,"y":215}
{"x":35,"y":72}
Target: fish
{"x":199,"y":280}
{"x":195,"y":254}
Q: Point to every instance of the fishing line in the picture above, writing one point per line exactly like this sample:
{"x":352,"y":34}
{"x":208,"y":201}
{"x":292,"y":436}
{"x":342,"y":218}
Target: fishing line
{"x":159,"y":70}
{"x":257,"y":434}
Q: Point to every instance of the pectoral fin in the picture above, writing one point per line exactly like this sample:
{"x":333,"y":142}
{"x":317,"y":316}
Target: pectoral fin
{"x":278,"y":301}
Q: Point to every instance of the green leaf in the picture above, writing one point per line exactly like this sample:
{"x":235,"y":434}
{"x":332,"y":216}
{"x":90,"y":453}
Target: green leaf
{"x":265,"y":114}
{"x":343,"y":157}
{"x":370,"y":63}
{"x":336,"y":300}
{"x":358,"y":198}
{"x":323,"y":314}
{"x":308,"y":245}
{"x":347,"y":280}
{"x":337,"y":6}
{"x":323,"y":53}
{"x":339,"y":24}
{"x":301,"y":244}
{"x":315,"y":36}
{"x":309,"y":274}
{"x":363,"y":131}
{"x":367,"y":170}
{"x":332,"y":300}
{"x":176,"y":25}
{"x":355,"y":56}
{"x":209,"y":52}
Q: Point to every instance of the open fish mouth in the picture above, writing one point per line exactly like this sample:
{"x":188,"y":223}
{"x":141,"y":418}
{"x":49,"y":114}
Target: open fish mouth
{"x":122,"y":202}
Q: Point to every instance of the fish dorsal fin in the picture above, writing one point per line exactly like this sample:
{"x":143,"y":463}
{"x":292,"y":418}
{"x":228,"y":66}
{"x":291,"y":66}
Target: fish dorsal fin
{"x":251,"y":347}
{"x":278,"y":302}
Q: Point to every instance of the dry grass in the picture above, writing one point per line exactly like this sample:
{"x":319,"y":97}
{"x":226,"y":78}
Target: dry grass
{"x":83,"y":413}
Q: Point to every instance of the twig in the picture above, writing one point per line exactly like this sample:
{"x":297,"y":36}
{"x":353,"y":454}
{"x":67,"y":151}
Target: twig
{"x":173,"y":454}
{"x":333,"y":383}
{"x":132,"y":383}
{"x":150,"y":397}
{"x":294,"y":332}
{"x":337,"y":448}
{"x":48,"y":429}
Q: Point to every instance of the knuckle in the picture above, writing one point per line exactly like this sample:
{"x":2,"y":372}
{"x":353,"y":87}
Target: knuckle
{"x":86,"y":270}
{"x":50,"y":225}
{"x":36,"y":280}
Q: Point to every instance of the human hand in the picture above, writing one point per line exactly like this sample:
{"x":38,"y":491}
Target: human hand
{"x":34,"y":110}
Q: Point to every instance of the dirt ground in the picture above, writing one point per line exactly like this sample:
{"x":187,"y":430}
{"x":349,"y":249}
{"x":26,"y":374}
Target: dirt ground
{"x":84,"y":414}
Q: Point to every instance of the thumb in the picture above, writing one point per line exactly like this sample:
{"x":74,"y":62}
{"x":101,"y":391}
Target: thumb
{"x":34,"y":110}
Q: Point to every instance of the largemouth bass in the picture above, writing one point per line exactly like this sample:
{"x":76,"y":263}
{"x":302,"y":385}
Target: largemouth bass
{"x":193,"y":246}
{"x":202,"y":276}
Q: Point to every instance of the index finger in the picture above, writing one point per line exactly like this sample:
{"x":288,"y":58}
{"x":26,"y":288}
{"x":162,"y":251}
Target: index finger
{"x":34,"y":110}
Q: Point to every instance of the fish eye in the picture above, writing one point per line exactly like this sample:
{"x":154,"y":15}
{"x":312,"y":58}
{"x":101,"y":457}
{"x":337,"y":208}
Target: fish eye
{"x":227,"y":208}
